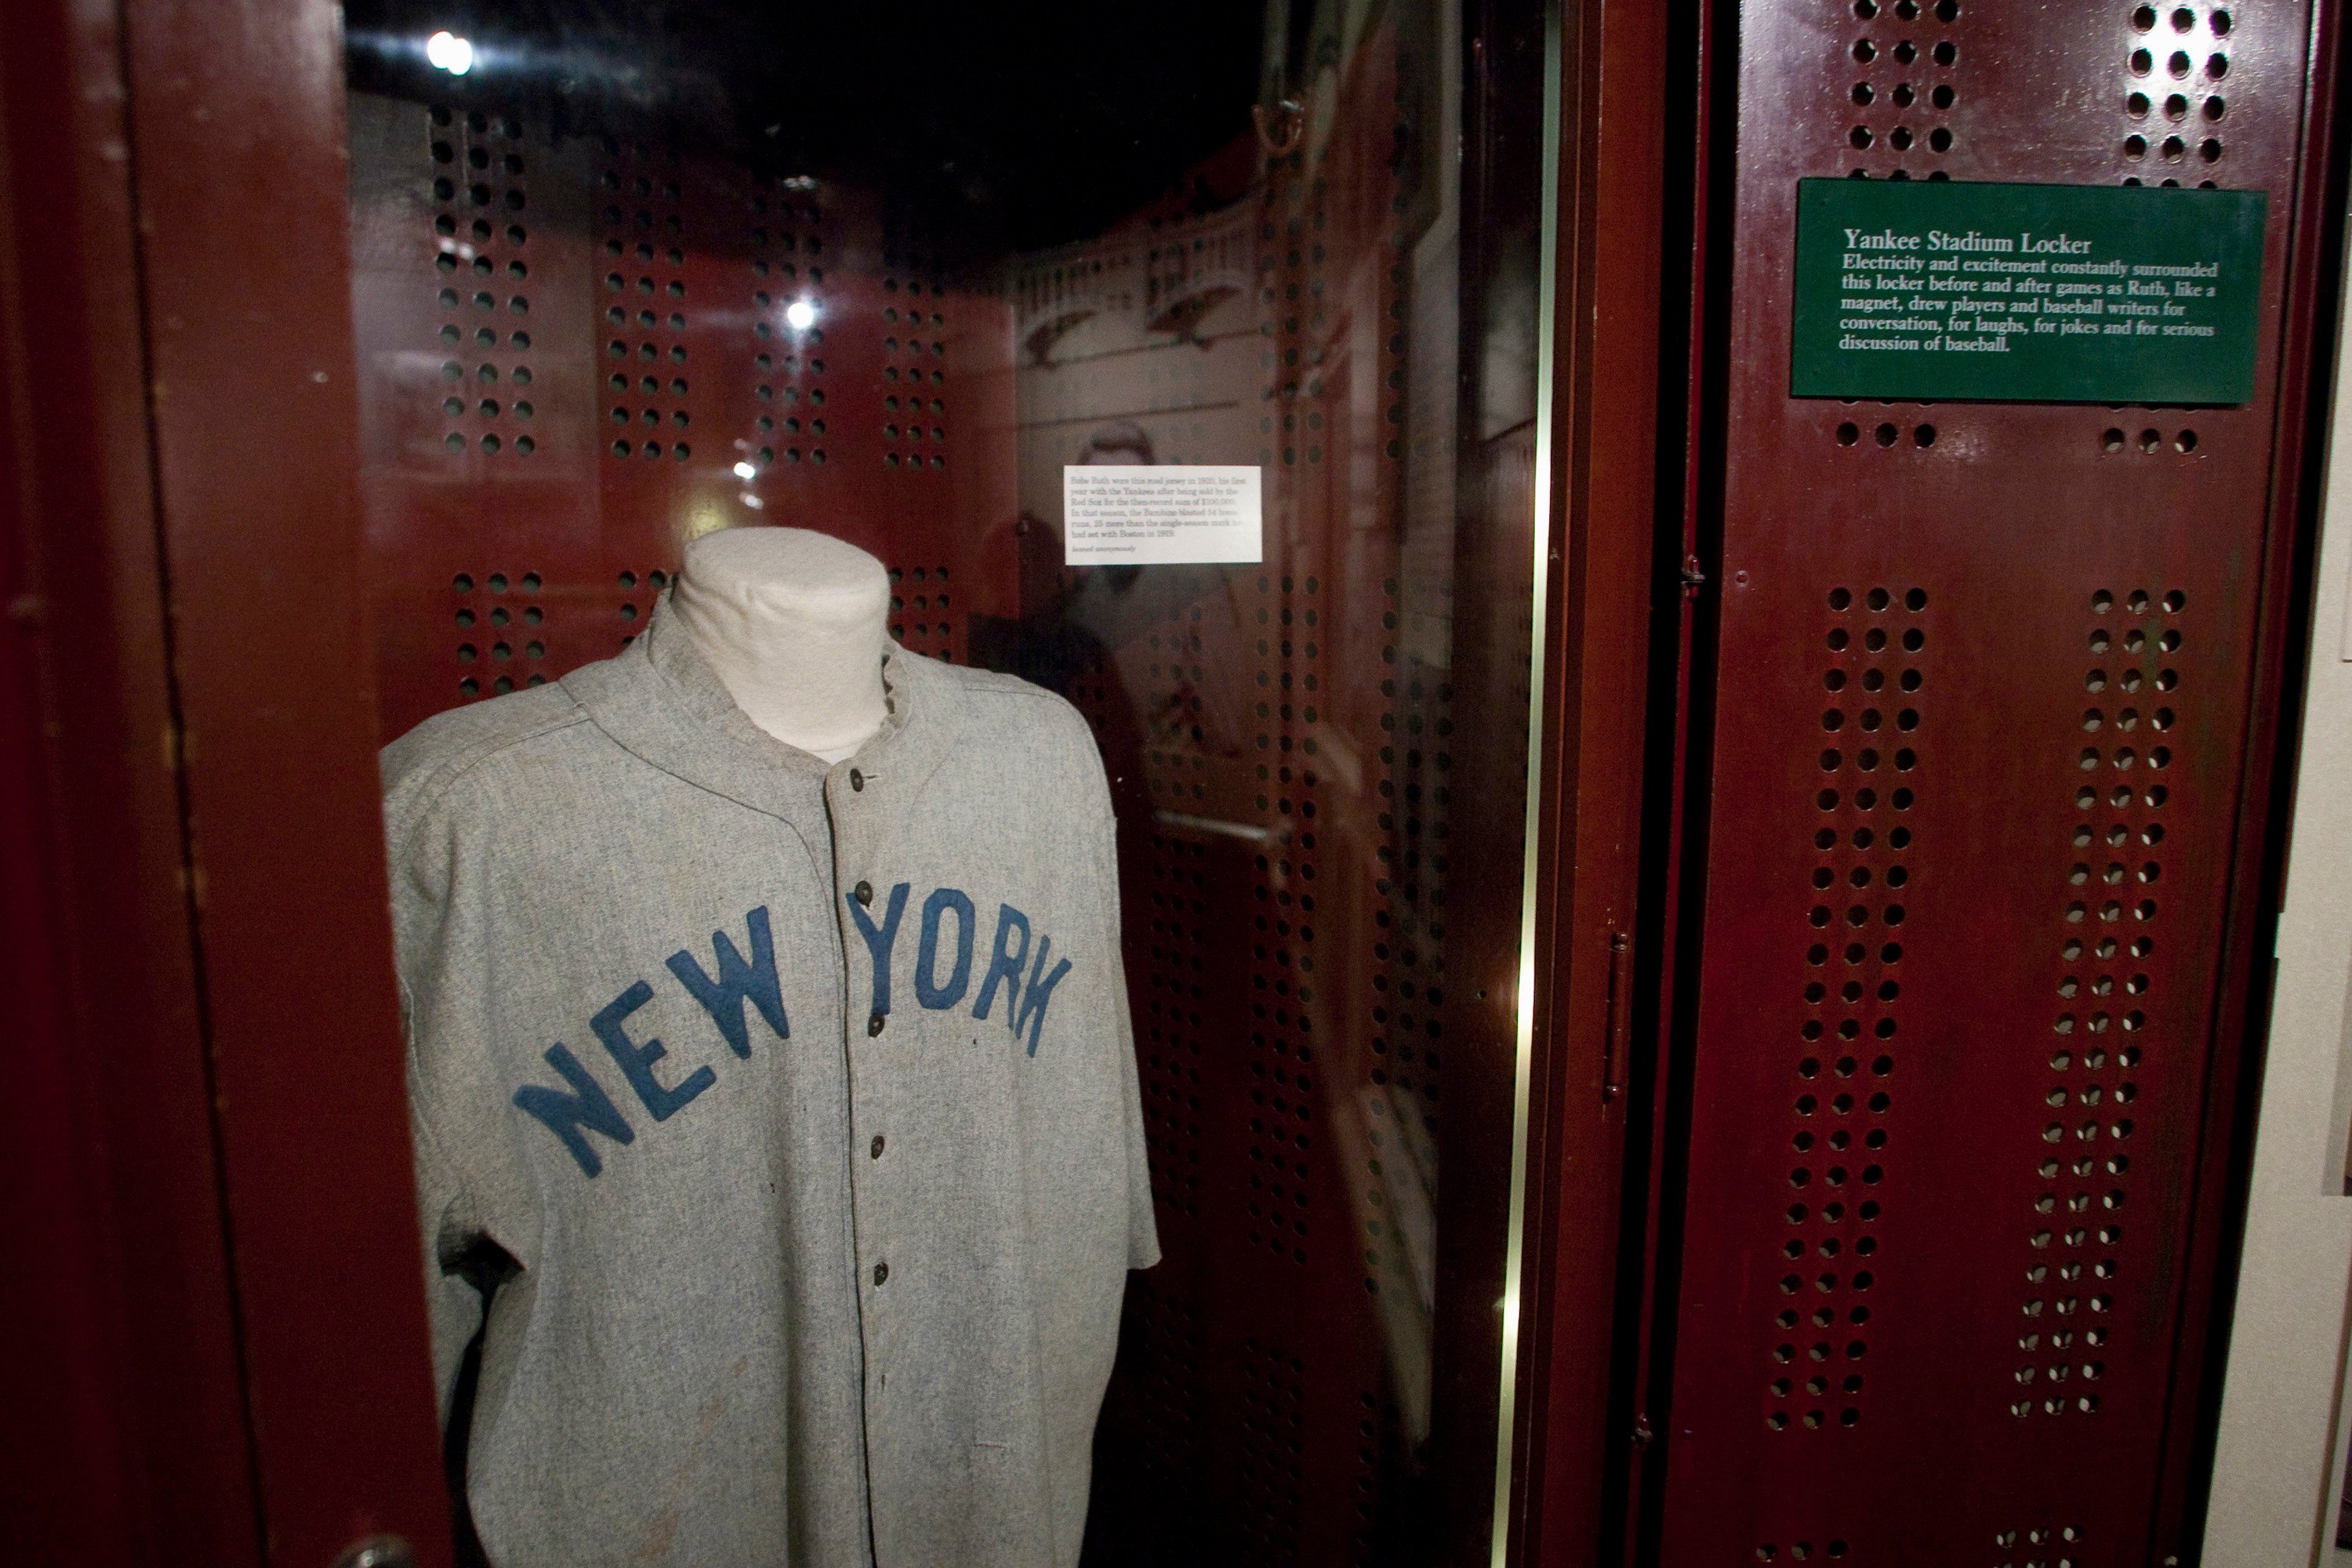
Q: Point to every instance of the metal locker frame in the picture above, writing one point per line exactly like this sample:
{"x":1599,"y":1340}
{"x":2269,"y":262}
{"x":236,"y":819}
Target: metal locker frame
{"x":1922,"y":1099}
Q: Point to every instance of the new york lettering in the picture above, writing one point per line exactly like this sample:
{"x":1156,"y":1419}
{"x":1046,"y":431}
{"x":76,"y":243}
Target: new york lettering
{"x":1024,"y":1000}
{"x":586,"y":1108}
{"x":944,"y":961}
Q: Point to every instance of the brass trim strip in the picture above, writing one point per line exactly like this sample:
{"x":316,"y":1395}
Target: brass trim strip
{"x":1547,"y":344}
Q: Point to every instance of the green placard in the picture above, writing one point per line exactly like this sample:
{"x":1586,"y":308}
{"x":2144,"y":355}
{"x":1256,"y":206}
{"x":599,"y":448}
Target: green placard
{"x":1917,"y":288}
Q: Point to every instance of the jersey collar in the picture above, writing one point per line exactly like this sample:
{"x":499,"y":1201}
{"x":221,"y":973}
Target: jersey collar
{"x":660,"y":701}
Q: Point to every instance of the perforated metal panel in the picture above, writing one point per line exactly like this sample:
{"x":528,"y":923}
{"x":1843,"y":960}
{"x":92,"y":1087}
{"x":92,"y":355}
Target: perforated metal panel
{"x":579,"y":351}
{"x":1982,"y":698}
{"x":573,"y":349}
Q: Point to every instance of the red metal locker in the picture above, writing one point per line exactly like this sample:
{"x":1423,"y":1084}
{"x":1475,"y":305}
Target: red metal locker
{"x":1990,"y":742}
{"x":1320,"y":759}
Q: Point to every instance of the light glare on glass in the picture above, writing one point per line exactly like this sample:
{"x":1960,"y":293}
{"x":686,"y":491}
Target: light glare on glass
{"x":450,"y":53}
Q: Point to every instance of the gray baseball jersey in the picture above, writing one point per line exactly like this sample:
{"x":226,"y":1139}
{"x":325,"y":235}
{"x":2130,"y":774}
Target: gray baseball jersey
{"x":805,"y":1097}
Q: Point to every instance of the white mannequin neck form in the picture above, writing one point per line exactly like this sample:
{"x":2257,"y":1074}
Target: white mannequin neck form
{"x":795,"y":625}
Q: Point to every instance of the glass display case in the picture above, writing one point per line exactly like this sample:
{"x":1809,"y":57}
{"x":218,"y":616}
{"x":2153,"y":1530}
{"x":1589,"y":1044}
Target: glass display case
{"x":620,"y":282}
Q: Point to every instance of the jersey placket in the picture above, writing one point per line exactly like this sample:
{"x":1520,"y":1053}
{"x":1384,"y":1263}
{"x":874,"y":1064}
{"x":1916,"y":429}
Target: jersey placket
{"x":863,"y":809}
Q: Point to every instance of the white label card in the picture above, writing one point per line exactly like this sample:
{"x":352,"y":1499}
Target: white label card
{"x":1160,"y":514}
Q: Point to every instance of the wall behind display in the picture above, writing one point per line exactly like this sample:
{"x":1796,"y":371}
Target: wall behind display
{"x":2278,"y":1468}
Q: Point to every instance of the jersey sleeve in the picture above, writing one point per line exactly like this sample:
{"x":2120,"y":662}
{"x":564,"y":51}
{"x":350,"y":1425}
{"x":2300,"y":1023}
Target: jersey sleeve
{"x":469,"y":1190}
{"x":453,"y":1302}
{"x":1143,"y":1225}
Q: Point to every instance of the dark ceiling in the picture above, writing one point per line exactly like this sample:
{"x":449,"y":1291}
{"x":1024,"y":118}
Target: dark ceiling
{"x":1018,"y":126}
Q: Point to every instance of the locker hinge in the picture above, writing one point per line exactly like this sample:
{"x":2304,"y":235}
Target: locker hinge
{"x":1694,"y":579}
{"x":1613,"y":1065}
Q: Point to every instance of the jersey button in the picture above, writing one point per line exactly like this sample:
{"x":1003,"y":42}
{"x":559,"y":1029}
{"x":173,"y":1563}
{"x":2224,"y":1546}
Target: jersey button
{"x":881,"y":1272}
{"x":856,"y":779}
{"x":864,"y":891}
{"x":874,"y":1150}
{"x":872,"y":1024}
